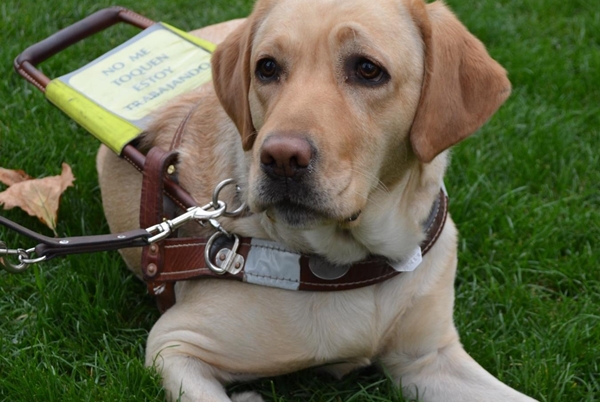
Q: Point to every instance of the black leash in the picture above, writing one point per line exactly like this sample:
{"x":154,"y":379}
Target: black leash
{"x":49,"y":247}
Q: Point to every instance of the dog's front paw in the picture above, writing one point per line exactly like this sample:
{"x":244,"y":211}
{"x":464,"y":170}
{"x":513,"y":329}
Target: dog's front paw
{"x":250,"y":396}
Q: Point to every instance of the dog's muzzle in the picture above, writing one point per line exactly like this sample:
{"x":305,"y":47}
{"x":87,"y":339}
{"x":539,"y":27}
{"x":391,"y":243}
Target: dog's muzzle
{"x":287,"y":188}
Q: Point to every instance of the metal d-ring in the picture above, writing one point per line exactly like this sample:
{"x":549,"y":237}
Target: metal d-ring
{"x":209,"y":245}
{"x":215,"y":198}
{"x":233,"y":263}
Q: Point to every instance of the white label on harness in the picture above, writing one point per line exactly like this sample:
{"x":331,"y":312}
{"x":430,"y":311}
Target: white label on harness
{"x":143,"y":73}
{"x":410,"y":263}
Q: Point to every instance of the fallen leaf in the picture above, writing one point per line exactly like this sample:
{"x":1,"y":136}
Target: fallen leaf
{"x":39,"y":197}
{"x":10,"y":177}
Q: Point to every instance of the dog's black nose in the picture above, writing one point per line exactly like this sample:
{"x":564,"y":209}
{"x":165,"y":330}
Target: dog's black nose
{"x":286,"y":156}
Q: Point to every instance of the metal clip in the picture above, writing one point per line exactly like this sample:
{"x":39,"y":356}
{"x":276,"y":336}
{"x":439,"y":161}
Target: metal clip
{"x":226,"y":260}
{"x":162,"y":230}
{"x":200,"y":214}
{"x":24,"y":257}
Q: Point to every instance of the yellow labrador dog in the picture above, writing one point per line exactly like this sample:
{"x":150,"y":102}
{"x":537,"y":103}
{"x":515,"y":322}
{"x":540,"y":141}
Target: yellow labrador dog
{"x":334,"y":117}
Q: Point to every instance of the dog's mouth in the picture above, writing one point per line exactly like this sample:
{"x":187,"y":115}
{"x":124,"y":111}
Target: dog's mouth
{"x":300,"y":203}
{"x":300,"y":216}
{"x":296,"y":215}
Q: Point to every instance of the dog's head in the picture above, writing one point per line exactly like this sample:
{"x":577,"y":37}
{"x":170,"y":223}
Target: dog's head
{"x":334,"y":100}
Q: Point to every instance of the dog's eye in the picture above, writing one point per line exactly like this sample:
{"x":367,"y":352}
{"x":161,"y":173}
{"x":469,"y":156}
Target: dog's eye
{"x":267,"y":70}
{"x":367,"y":70}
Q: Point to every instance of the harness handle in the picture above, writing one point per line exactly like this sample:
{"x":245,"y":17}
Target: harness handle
{"x":25,"y":63}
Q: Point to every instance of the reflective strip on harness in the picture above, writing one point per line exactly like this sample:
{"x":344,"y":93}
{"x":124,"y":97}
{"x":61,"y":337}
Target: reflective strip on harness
{"x":112,"y":96}
{"x":270,"y":264}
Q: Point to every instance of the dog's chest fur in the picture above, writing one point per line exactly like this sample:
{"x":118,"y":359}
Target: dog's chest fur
{"x":313,"y":328}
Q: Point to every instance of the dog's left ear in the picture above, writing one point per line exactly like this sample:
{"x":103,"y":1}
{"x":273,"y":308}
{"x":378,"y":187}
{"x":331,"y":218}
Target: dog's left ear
{"x":462,"y":85}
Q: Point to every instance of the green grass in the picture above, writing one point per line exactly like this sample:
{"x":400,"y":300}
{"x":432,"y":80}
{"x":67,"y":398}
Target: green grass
{"x":525,"y":193}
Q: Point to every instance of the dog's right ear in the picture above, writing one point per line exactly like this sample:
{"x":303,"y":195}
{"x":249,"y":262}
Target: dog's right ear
{"x":231,"y":79}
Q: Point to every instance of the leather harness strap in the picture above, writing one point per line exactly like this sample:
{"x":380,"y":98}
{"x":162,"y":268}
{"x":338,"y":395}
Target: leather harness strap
{"x":152,"y":212}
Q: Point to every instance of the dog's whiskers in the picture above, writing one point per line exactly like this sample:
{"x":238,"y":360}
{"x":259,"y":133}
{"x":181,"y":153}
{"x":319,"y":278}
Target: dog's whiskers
{"x":366,"y":196}
{"x":363,"y":172}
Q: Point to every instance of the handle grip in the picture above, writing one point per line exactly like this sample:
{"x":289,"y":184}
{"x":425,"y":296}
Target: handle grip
{"x":25,"y":63}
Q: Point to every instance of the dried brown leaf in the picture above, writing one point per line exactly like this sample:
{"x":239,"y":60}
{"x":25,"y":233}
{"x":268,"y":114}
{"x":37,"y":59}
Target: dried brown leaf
{"x":10,"y":177}
{"x":39,"y":197}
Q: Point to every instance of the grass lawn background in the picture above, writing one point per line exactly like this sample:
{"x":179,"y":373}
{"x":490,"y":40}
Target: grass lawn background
{"x":525,"y":194}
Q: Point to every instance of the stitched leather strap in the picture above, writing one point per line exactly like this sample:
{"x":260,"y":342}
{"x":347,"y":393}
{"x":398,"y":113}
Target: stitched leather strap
{"x":151,"y":213}
{"x":184,"y":260}
{"x":172,"y":190}
{"x":51,"y":247}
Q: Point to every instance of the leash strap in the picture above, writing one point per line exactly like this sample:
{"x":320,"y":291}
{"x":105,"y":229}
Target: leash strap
{"x":50,"y":247}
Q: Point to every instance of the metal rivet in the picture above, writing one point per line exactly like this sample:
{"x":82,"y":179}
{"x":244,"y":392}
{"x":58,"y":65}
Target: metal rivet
{"x":237,"y":265}
{"x":171,"y":169}
{"x":153,"y":248}
{"x":323,"y":269}
{"x":222,"y":257}
{"x":151,"y":269}
{"x":64,"y":242}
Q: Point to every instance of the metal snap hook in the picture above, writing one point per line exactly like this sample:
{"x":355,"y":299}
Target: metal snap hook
{"x":20,"y":253}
